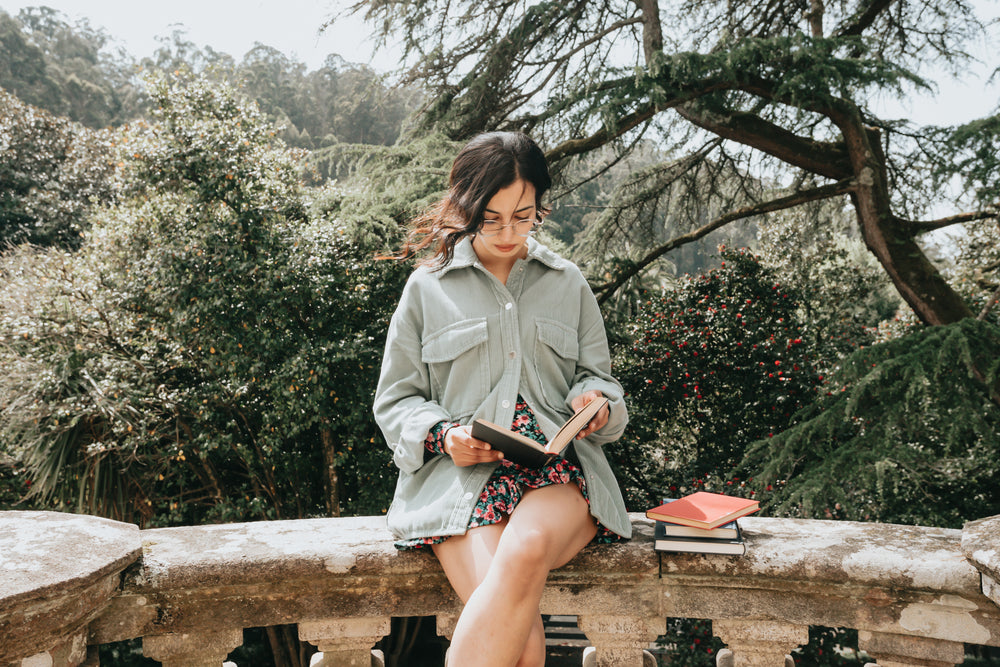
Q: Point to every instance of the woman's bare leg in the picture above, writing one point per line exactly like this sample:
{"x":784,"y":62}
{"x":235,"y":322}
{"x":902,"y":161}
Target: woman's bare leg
{"x":466,"y":559}
{"x":500,"y":625}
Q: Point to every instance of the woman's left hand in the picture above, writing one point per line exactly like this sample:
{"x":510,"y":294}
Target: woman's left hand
{"x":599,"y":420}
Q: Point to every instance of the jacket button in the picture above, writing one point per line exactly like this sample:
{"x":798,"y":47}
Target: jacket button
{"x":468,"y":496}
{"x":505,"y":404}
{"x":509,"y":306}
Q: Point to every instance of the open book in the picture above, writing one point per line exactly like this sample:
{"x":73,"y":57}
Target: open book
{"x":523,"y":450}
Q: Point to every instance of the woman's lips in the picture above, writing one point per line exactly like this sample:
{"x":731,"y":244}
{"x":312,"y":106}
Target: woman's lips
{"x":505,"y":248}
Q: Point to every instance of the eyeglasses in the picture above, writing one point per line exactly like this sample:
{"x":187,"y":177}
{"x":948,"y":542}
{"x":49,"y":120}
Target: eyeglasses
{"x":525,"y":227}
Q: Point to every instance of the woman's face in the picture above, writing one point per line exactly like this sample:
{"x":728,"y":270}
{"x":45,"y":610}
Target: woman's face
{"x":509,"y":206}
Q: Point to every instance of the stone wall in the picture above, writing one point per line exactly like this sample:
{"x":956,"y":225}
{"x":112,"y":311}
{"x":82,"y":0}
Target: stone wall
{"x":915,"y":594}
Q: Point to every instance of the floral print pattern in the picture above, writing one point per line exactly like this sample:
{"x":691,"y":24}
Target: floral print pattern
{"x":505,"y":487}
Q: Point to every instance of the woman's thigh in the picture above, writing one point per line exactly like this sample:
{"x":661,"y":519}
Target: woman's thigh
{"x":553,"y":521}
{"x":466,"y":558}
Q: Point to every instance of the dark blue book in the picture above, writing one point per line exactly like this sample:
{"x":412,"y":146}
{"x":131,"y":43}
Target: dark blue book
{"x":699,"y":545}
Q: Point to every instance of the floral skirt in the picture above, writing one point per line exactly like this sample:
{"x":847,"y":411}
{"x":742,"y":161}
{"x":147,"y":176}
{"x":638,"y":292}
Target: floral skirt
{"x":505,"y":487}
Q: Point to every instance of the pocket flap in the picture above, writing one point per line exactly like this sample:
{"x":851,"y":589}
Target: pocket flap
{"x":559,"y":337}
{"x":448,"y":343}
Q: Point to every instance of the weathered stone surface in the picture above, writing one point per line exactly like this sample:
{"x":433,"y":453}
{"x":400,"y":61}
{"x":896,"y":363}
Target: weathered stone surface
{"x":57,"y":572}
{"x":915,"y":557}
{"x":888,"y":578}
{"x":901,"y":581}
{"x":981,"y":545}
{"x":42,"y":552}
{"x":199,"y":649}
{"x":266,"y":551}
{"x":892,"y":649}
{"x":756,"y":643}
{"x":345,"y":642}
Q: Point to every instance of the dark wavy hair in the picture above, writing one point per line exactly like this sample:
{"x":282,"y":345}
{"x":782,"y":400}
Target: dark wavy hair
{"x":488,"y":163}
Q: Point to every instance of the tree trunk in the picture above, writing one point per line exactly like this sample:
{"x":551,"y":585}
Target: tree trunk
{"x":892,"y":242}
{"x":332,"y":479}
{"x":652,"y":32}
{"x":918,"y":281}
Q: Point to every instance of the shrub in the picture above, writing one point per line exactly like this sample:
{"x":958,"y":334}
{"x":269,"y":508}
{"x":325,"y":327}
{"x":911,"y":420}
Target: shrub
{"x":711,"y":366}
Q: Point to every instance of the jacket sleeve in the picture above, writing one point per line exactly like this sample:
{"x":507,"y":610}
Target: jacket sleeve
{"x":403,"y":409}
{"x":593,"y":369}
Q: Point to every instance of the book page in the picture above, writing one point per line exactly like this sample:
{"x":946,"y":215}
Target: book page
{"x":575,"y":424}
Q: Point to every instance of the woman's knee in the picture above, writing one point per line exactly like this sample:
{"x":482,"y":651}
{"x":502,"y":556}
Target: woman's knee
{"x":528,"y":550}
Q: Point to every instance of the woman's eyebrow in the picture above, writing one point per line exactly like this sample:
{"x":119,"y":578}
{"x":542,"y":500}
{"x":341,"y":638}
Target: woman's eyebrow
{"x":520,"y":210}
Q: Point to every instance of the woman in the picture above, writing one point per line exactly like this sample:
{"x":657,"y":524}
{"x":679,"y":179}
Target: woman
{"x":496,"y":326}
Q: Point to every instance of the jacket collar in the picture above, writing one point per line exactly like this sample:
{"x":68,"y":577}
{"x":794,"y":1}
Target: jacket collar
{"x":466,"y":256}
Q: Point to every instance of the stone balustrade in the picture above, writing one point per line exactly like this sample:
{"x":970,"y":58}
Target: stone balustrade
{"x":915,"y":594}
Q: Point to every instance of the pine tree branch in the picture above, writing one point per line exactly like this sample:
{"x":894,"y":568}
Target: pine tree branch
{"x":559,"y":63}
{"x":632,"y":120}
{"x":919,"y":227}
{"x":992,"y":301}
{"x":652,"y":32}
{"x":603,"y":136}
{"x":863,"y":20}
{"x":824,"y":192}
{"x":822,"y":158}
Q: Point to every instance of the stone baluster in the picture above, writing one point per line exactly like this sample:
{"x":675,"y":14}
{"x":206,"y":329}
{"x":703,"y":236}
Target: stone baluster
{"x":893,"y":650}
{"x":620,"y":641}
{"x":758,"y":643}
{"x":345,"y":642}
{"x":446,"y":625}
{"x":194,"y":649}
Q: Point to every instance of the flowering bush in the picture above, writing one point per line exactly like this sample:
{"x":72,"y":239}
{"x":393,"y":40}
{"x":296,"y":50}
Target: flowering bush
{"x":710,"y":366}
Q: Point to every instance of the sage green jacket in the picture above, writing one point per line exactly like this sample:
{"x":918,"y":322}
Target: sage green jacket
{"x":461,"y":346}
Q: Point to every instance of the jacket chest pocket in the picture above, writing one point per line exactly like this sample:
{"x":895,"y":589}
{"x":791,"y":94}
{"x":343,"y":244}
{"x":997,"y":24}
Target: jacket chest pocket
{"x":458,"y":363}
{"x":557,"y":349}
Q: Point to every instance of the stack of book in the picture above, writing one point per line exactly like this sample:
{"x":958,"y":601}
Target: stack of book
{"x":702,"y":522}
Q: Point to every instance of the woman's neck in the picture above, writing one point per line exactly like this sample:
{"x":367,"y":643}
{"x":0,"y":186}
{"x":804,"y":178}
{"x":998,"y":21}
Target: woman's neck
{"x":500,"y":266}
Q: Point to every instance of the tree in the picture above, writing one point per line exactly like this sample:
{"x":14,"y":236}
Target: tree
{"x":210,"y":351}
{"x":52,"y":172}
{"x":776,"y":88}
{"x":906,"y":433}
{"x":69,"y":70}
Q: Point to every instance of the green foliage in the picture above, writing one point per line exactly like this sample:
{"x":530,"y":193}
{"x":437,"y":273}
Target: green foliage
{"x":689,"y":643}
{"x":915,"y":421}
{"x":69,"y":70}
{"x":51,"y":172}
{"x":799,"y":71}
{"x":711,"y":366}
{"x":74,"y":70}
{"x":341,"y":102}
{"x":974,"y":148}
{"x":843,"y":293}
{"x":212,"y":349}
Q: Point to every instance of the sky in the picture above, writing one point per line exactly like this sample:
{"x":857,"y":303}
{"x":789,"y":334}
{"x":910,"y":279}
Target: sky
{"x":292,"y":27}
{"x":230,"y":26}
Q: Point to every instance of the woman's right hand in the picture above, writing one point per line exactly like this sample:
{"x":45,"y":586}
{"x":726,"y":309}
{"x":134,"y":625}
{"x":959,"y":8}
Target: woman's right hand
{"x":465,"y":450}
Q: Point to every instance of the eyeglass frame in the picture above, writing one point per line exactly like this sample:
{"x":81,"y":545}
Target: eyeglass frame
{"x":535,"y":224}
